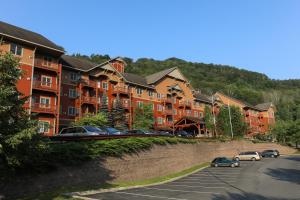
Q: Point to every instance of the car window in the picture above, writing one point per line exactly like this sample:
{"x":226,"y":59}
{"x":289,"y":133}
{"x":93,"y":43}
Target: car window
{"x":92,"y":129}
{"x":64,"y":131}
{"x":80,"y":130}
{"x":112,"y":130}
{"x":71,"y":130}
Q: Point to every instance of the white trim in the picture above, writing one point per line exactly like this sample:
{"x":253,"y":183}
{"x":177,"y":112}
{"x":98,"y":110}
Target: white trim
{"x":49,"y":122}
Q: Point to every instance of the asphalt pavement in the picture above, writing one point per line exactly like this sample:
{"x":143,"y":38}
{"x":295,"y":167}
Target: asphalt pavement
{"x":268,"y":179}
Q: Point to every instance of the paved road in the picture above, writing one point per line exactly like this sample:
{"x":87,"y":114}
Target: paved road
{"x":269,"y":179}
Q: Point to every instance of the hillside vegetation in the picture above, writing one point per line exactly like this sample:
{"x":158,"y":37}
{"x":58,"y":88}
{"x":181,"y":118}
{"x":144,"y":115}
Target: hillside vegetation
{"x":248,"y":86}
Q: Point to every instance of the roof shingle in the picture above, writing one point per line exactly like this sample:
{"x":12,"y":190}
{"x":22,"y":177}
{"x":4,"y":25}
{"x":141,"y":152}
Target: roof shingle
{"x":77,"y":63}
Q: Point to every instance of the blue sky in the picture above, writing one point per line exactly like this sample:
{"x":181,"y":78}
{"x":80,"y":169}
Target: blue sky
{"x":257,"y":35}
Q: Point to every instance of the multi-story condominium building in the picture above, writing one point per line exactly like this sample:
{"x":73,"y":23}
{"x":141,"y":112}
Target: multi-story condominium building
{"x":39,"y":60}
{"x":260,"y":118}
{"x":63,"y":89}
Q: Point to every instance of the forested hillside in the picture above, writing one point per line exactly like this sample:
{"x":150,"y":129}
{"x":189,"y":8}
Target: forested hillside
{"x":248,"y":86}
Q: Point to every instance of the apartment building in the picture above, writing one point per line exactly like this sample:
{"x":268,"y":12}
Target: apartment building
{"x":63,"y":89}
{"x":39,"y":60}
{"x":260,"y":118}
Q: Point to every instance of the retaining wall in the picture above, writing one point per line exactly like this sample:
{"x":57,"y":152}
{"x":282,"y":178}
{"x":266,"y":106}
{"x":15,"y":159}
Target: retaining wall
{"x":159,"y":161}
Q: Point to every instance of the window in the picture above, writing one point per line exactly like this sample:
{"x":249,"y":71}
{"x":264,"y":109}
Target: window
{"x":195,"y":114}
{"x":159,"y":120}
{"x":71,"y":111}
{"x":140,"y":104}
{"x":72,"y":93}
{"x":74,"y":76}
{"x":201,"y":114}
{"x":188,"y":112}
{"x":46,"y":81}
{"x":139,"y":91}
{"x":159,"y":107}
{"x":44,"y":126}
{"x":16,"y":49}
{"x":45,"y":102}
{"x":47,"y":61}
{"x":175,"y":111}
{"x":150,"y":93}
{"x":158,"y":95}
{"x":105,"y":85}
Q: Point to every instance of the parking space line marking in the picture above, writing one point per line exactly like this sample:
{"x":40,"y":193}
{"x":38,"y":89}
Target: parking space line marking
{"x":151,"y":196}
{"x":182,"y":190}
{"x":195,"y":186}
{"x":197,"y":182}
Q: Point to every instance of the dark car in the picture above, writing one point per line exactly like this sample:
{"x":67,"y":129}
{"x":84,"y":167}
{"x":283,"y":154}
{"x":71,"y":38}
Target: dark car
{"x":224,"y":162}
{"x":112,"y":131}
{"x":182,"y":133}
{"x":139,"y":131}
{"x":82,"y":131}
{"x":163,"y":133}
{"x":270,"y":153}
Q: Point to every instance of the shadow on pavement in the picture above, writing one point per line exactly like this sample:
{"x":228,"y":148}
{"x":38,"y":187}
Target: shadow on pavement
{"x":293,"y":158}
{"x":245,"y":196}
{"x":282,"y":174}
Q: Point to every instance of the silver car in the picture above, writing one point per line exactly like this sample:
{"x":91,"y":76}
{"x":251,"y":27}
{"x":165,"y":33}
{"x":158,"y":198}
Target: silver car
{"x":82,"y":131}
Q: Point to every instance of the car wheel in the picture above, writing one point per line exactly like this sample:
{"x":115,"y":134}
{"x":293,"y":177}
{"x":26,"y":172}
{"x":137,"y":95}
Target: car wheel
{"x":232,"y":165}
{"x":253,"y":159}
{"x":216,"y":165}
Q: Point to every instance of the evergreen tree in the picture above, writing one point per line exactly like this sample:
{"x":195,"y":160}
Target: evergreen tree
{"x":20,"y":143}
{"x":143,"y":117}
{"x":105,"y":110}
{"x":118,"y":115}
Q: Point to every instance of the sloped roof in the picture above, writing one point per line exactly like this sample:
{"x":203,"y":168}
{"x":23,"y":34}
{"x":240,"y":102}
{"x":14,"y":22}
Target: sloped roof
{"x":159,"y":75}
{"x":77,"y":63}
{"x":201,"y":97}
{"x":27,"y":36}
{"x":136,"y":79}
{"x":264,"y":106}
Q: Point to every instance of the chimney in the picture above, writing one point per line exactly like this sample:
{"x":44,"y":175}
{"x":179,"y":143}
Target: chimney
{"x":118,"y":64}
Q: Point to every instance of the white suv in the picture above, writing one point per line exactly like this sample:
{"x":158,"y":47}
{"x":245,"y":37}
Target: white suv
{"x":249,"y":155}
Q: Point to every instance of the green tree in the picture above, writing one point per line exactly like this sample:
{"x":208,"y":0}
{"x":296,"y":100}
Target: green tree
{"x":239,"y":127}
{"x":105,"y":110}
{"x":208,"y":118}
{"x":143,"y":117}
{"x":97,"y":120}
{"x":20,"y":143}
{"x":118,"y":114}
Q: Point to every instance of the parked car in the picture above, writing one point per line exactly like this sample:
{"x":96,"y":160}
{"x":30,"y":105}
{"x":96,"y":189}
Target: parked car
{"x":139,"y":131}
{"x":112,"y":131}
{"x":225,"y":162}
{"x":163,"y":133}
{"x":270,"y":153}
{"x":249,"y":155}
{"x":81,"y":131}
{"x":182,"y":133}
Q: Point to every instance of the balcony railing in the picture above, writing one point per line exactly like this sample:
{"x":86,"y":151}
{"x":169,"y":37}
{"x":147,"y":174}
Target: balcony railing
{"x":185,"y":103}
{"x":41,"y":63}
{"x":44,"y":86}
{"x":89,"y":83}
{"x":168,"y":112}
{"x":169,"y":123}
{"x":43,"y":108}
{"x":120,"y":90}
{"x":166,"y":100}
{"x":89,"y":100}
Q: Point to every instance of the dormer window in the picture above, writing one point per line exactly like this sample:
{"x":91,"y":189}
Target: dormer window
{"x":139,"y":91}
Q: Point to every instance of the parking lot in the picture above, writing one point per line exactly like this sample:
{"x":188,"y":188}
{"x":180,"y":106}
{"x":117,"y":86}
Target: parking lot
{"x":245,"y":182}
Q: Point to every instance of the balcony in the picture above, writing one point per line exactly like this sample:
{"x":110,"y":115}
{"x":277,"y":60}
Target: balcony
{"x":166,"y":100}
{"x":120,"y":90}
{"x":45,"y":86}
{"x":43,"y":108}
{"x":88,"y":83}
{"x":168,"y":112}
{"x":88,"y":100}
{"x":169,"y":123}
{"x":185,"y":103}
{"x":43,"y":64}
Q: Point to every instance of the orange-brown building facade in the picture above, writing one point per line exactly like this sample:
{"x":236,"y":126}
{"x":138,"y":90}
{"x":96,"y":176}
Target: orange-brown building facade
{"x":62,"y":89}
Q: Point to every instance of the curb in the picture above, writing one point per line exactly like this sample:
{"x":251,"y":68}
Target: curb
{"x":89,"y":192}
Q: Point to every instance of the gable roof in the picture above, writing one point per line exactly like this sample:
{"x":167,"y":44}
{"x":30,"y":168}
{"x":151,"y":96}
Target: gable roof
{"x":27,"y":36}
{"x":136,"y":79}
{"x":201,"y":97}
{"x":264,"y":106}
{"x":77,"y":63}
{"x":153,"y":78}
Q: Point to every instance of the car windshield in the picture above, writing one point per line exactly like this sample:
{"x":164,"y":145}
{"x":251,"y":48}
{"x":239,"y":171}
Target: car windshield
{"x":112,"y":130}
{"x":92,"y":129}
